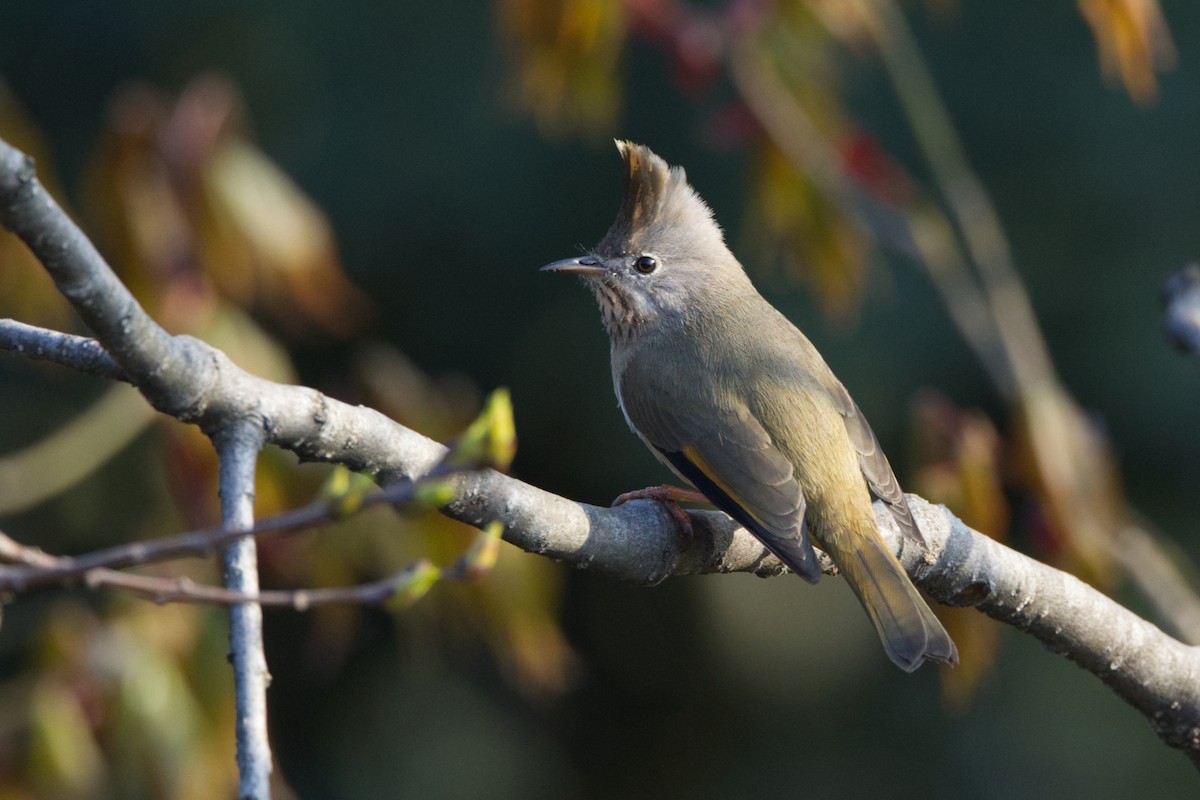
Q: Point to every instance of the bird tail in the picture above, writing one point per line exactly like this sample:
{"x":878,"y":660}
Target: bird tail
{"x":906,"y":625}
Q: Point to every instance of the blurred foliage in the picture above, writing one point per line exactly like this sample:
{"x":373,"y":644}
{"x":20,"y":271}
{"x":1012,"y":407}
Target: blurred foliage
{"x":821,"y":245}
{"x":565,"y":61}
{"x":216,"y":241}
{"x":180,"y":196}
{"x":1133,"y":41}
{"x":120,"y":703}
{"x":393,"y":117}
{"x":958,"y":459}
{"x":1067,"y":462}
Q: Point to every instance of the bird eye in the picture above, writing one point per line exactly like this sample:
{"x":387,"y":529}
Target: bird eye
{"x":646,"y":264}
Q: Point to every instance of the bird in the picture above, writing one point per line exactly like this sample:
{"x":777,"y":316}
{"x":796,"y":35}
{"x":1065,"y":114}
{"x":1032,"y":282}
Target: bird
{"x":738,"y":403}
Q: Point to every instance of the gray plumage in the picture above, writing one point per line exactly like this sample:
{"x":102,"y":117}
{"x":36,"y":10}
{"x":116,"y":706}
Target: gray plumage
{"x":737,"y":401}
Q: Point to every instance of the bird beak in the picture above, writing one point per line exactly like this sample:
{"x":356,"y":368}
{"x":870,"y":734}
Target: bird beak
{"x":584,"y":265}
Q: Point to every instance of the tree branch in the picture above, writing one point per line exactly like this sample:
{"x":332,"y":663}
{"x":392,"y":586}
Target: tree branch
{"x":24,"y":568}
{"x":1151,"y":671}
{"x":161,"y":589}
{"x":638,"y":541}
{"x":158,"y":363}
{"x":238,"y":446}
{"x":77,"y":352}
{"x":37,"y":569}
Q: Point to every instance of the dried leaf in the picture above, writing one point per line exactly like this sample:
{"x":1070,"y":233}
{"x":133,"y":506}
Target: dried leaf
{"x":270,"y":248}
{"x":818,"y":243}
{"x":1133,"y":43}
{"x":958,"y":454}
{"x":183,"y":202}
{"x":958,"y":457}
{"x":1066,"y":461}
{"x":978,"y":640}
{"x":565,"y":56}
{"x":134,"y":212}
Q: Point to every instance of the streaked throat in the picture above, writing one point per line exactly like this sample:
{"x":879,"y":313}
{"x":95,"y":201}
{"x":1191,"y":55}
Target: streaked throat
{"x":623,"y":314}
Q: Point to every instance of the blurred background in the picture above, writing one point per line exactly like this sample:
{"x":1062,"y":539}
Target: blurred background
{"x":968,"y":206}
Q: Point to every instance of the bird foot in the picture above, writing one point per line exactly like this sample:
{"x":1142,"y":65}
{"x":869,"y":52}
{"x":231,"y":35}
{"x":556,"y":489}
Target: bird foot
{"x":670,"y":497}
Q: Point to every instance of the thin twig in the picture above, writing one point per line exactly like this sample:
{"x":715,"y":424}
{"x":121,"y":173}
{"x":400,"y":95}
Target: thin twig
{"x":185,"y":590}
{"x":199,"y":543}
{"x":78,"y":352}
{"x":23,"y":568}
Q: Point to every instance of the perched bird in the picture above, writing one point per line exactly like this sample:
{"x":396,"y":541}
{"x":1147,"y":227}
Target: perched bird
{"x":737,"y":402}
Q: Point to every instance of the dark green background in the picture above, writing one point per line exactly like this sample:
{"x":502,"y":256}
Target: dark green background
{"x":394,"y":117}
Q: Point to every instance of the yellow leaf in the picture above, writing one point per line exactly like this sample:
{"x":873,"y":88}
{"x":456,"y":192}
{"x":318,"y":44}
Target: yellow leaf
{"x":433,"y":493}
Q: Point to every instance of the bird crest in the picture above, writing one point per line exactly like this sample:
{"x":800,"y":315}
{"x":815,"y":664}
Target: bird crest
{"x":657,"y":199}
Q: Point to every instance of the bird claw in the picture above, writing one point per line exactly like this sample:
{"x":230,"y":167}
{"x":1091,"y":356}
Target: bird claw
{"x":670,"y":497}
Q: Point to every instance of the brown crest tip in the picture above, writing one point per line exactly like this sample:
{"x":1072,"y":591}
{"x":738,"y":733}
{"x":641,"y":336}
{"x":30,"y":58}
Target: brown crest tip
{"x":657,"y":197}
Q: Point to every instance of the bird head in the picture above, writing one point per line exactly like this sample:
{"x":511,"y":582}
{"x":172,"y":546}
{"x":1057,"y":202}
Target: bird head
{"x":663,"y":254}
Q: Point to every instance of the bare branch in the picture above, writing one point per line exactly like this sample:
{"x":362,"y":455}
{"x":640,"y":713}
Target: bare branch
{"x":35,"y":572}
{"x":147,"y":353}
{"x":237,"y":449}
{"x":161,"y":589}
{"x":1148,"y":669}
{"x":24,"y":568}
{"x":77,"y":352}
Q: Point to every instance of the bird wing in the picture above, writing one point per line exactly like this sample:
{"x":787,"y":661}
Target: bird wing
{"x":727,"y":454}
{"x":874,"y":463}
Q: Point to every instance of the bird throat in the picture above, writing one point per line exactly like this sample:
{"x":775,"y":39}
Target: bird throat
{"x":623,"y":314}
